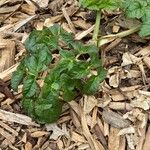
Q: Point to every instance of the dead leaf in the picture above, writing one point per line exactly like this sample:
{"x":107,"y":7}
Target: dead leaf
{"x":57,"y":132}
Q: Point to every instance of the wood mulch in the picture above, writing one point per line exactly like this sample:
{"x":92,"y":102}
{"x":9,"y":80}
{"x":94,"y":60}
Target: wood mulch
{"x":117,"y":118}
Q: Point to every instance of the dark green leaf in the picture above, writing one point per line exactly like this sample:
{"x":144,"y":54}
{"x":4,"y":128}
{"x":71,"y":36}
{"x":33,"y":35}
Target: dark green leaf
{"x":28,"y":106}
{"x":48,"y":110}
{"x":31,"y":64}
{"x":79,"y":70}
{"x":93,"y":83}
{"x":69,"y":95}
{"x":16,"y":79}
{"x":66,"y":37}
{"x":30,"y":87}
{"x":65,"y":54}
{"x":31,"y":44}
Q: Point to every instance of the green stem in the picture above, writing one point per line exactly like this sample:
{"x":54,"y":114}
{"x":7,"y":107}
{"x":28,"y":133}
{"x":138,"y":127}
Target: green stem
{"x":96,"y":28}
{"x":108,"y":38}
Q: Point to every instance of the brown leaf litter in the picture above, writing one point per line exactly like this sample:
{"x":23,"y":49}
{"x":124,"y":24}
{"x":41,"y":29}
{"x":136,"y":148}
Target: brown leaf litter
{"x":116,"y":118}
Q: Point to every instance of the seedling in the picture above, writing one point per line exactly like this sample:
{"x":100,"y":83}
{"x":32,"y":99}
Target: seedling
{"x":78,"y":70}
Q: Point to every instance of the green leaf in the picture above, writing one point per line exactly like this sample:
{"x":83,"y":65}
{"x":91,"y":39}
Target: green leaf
{"x":79,"y":70}
{"x":16,"y":79}
{"x":69,"y":95}
{"x":135,"y":8}
{"x":139,"y":9}
{"x":30,"y":87}
{"x":69,"y":87}
{"x":31,"y":64}
{"x":31,"y":44}
{"x":66,"y":37}
{"x":48,"y":110}
{"x":145,"y":28}
{"x":93,"y":83}
{"x":100,"y":4}
{"x":65,"y":54}
{"x":28,"y":106}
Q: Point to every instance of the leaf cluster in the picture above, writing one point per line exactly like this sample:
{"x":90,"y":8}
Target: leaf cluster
{"x":78,"y":70}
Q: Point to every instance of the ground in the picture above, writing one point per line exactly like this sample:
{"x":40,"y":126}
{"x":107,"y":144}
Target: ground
{"x":116,"y":118}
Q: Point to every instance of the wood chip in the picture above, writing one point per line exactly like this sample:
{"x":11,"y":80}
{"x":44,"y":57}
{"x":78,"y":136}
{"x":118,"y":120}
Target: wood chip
{"x":114,"y":139}
{"x":17,"y":118}
{"x":7,"y":135}
{"x":39,"y":134}
{"x":8,"y":128}
{"x":114,"y":119}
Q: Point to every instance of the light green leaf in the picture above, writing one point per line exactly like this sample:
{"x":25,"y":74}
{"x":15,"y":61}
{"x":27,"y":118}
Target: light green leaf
{"x":100,"y":4}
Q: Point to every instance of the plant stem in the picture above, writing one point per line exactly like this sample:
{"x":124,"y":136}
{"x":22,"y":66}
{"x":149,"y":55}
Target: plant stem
{"x":108,"y":38}
{"x":96,"y":28}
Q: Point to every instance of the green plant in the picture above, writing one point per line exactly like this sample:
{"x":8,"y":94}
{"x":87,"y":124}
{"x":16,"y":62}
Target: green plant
{"x":139,"y":9}
{"x":98,"y":5}
{"x":78,"y":70}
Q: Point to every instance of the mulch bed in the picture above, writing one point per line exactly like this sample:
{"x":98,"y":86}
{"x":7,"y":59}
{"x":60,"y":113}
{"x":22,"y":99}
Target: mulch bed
{"x":116,"y":118}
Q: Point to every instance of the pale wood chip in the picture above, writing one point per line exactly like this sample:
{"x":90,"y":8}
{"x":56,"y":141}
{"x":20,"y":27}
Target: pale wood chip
{"x":8,"y":128}
{"x":144,"y":51}
{"x":114,"y":139}
{"x":45,"y":145}
{"x":129,"y":59}
{"x":114,"y":80}
{"x":122,"y":145}
{"x":71,"y":25}
{"x":113,"y":44}
{"x":90,"y":103}
{"x":17,"y":118}
{"x":146,"y":60}
{"x":6,"y":75}
{"x":42,"y":3}
{"x":23,"y":22}
{"x":120,"y":106}
{"x":86,"y":132}
{"x":39,"y":134}
{"x":114,"y":119}
{"x":2,"y":2}
{"x":142,"y":136}
{"x":81,"y":24}
{"x":77,"y":137}
{"x":24,"y":138}
{"x":7,"y":54}
{"x":8,"y":9}
{"x":83,"y":34}
{"x":83,"y":146}
{"x":129,"y":130}
{"x":28,"y":146}
{"x":13,"y":147}
{"x":7,"y":135}
{"x":147,"y":140}
{"x":115,"y":29}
